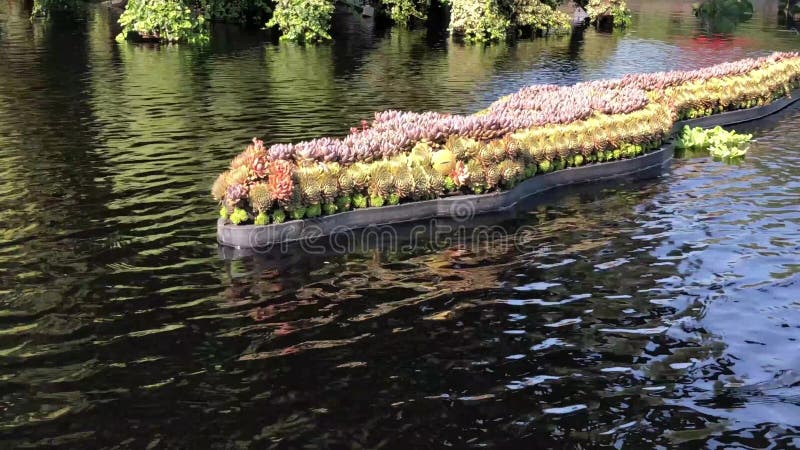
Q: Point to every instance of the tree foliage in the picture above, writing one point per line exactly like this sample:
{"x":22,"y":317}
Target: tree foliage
{"x":166,"y":20}
{"x":492,"y":20}
{"x":303,"y":21}
{"x":402,"y":11}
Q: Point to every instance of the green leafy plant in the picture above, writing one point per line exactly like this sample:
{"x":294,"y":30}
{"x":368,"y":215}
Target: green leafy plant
{"x":165,"y":20}
{"x":478,"y":20}
{"x":303,"y":21}
{"x":238,"y":216}
{"x":261,"y":219}
{"x":255,"y":12}
{"x":617,"y":10}
{"x":402,"y":11}
{"x":278,"y":216}
{"x":719,"y":142}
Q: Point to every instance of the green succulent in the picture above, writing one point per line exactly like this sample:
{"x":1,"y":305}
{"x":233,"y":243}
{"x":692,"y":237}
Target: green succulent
{"x":238,"y":216}
{"x":329,"y":208}
{"x":297,"y":212}
{"x":449,"y":184}
{"x":278,"y":216}
{"x":376,"y":201}
{"x":393,"y":199}
{"x":223,"y":212}
{"x":359,"y":201}
{"x":261,"y":219}
{"x":545,"y":166}
{"x":578,"y":160}
{"x":314,"y":210}
{"x":343,"y":203}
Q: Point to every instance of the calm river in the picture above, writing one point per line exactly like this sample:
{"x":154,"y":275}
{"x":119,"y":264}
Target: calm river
{"x":653,"y":314}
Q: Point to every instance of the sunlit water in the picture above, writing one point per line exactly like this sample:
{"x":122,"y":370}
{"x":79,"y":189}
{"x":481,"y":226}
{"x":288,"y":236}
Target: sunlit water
{"x":659,"y":313}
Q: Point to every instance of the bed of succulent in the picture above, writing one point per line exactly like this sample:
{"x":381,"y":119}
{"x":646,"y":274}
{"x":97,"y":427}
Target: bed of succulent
{"x":402,"y":157}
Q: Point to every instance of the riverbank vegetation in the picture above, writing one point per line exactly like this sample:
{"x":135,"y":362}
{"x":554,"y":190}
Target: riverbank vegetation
{"x":405,"y":156}
{"x":309,"y":21}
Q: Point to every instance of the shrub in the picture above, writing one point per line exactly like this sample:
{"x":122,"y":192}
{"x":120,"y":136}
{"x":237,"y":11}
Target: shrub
{"x":165,"y":20}
{"x":401,"y":11}
{"x":303,"y":21}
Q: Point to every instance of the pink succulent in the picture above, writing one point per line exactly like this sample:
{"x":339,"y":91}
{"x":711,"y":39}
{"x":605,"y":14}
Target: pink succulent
{"x":280,"y":180}
{"x":460,"y":174}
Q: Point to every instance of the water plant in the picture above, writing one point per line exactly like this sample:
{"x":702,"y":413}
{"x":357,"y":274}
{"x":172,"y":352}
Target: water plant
{"x":719,"y":142}
{"x":408,"y":156}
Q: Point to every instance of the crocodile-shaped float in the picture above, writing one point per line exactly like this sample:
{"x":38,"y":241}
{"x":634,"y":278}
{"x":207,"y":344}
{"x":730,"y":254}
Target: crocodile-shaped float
{"x":406,"y":166}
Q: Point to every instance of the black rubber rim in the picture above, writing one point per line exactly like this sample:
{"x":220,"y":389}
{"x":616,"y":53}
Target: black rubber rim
{"x":464,"y":207}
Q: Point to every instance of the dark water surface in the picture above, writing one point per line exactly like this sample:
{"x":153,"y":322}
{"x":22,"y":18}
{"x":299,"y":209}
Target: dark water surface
{"x":655,"y":314}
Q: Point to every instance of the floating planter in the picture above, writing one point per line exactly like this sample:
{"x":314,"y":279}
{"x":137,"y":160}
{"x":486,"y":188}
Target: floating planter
{"x":406,"y":166}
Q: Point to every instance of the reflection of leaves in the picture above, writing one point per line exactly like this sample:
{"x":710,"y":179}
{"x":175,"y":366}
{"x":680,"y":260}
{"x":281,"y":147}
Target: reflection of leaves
{"x":722,"y":16}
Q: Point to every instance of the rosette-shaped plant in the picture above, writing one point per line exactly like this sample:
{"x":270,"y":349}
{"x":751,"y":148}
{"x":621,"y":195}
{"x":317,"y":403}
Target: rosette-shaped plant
{"x":234,"y":194}
{"x":259,"y":166}
{"x":403,"y":180}
{"x":493,"y":176}
{"x":239,"y":175}
{"x":244,"y":159}
{"x":309,"y":179}
{"x":510,"y":172}
{"x":443,"y":161}
{"x":381,"y":183}
{"x":281,"y":182}
{"x":422,"y":187}
{"x":220,"y":186}
{"x":260,"y":198}
{"x":421,"y":154}
{"x":360,"y":173}
{"x":329,"y":178}
{"x":460,"y":174}
{"x":477,"y":176}
{"x":346,"y":182}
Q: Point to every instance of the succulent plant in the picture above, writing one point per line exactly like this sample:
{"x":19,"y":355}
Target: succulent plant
{"x":260,"y":197}
{"x":343,"y":203}
{"x":278,"y":216}
{"x":443,"y":161}
{"x":329,"y":208}
{"x":261,"y":219}
{"x":449,"y":184}
{"x":297,"y":212}
{"x":359,"y":201}
{"x":260,"y":166}
{"x":235,"y":193}
{"x":314,"y":210}
{"x":238,"y":216}
{"x":460,"y":174}
{"x":281,"y":182}
{"x":545,"y":166}
{"x":220,"y":187}
{"x":239,"y":175}
{"x":493,"y":176}
{"x":309,"y":180}
{"x":376,"y":201}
